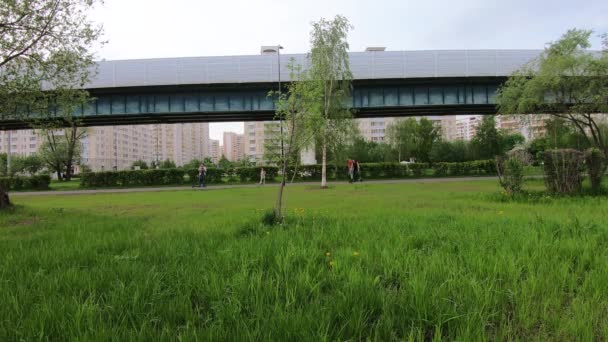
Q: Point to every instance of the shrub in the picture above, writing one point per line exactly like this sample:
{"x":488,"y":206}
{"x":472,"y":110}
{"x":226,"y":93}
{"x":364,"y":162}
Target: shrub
{"x":252,"y":174}
{"x":40,"y":182}
{"x":510,"y":174}
{"x":418,"y":169}
{"x":132,"y":178}
{"x":596,"y":165}
{"x":563,"y":170}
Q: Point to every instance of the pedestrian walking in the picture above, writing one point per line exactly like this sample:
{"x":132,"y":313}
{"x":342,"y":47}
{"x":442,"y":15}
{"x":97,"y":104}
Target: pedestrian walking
{"x":351,"y":170}
{"x":202,"y":173}
{"x":262,"y":176}
{"x":356,"y":171}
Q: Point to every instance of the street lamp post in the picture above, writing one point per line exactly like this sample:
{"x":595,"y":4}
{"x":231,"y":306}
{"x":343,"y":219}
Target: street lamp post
{"x":279,"y":47}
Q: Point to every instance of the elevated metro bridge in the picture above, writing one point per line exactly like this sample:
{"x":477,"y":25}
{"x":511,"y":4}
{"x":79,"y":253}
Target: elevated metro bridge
{"x":235,"y":88}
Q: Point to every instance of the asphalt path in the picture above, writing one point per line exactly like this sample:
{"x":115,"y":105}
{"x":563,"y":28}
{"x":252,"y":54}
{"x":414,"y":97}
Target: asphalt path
{"x":238,"y":186}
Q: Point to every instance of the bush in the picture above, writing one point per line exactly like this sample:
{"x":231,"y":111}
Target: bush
{"x":214,"y":175}
{"x":418,"y":169}
{"x":563,"y":169}
{"x":40,"y":182}
{"x":596,"y":165}
{"x":252,"y":174}
{"x":132,"y":178}
{"x":510,"y":174}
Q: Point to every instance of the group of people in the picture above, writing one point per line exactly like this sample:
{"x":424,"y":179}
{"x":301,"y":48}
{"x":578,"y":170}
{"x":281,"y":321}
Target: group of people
{"x":354,"y":171}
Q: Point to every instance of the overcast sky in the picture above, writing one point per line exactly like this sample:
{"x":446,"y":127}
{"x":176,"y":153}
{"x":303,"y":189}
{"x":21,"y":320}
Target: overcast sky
{"x":177,"y":28}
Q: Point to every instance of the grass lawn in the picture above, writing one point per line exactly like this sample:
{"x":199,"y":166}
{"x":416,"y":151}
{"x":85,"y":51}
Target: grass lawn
{"x":379,"y":261}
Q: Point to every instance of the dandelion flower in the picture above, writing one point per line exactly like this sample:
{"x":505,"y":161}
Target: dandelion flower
{"x":356,"y":253}
{"x":327,"y":254}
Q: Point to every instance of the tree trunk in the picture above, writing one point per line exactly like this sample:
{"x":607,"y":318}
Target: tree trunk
{"x":278,"y":208}
{"x":4,"y":200}
{"x":324,"y":166}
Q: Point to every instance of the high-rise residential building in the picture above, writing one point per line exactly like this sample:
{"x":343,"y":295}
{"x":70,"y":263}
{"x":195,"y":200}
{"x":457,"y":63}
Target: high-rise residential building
{"x":374,"y":129}
{"x":180,"y":142}
{"x":22,"y":142}
{"x":234,"y":146}
{"x":103,"y":148}
{"x":530,"y":126}
{"x":215,"y":150}
{"x":108,"y":148}
{"x":254,"y":140}
{"x":257,"y":136}
{"x":466,"y":127}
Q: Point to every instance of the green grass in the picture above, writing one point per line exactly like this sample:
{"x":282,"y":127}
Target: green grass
{"x":366,"y":261}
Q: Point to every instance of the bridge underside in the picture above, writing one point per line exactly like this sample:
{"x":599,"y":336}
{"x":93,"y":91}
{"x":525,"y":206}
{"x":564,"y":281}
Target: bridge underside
{"x":250,"y":102}
{"x":262,"y":115}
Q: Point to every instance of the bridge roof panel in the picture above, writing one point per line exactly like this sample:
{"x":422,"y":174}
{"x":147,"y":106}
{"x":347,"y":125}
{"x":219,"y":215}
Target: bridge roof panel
{"x":263,"y":68}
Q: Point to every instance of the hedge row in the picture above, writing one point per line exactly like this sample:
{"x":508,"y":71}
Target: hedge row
{"x":132,"y":178}
{"x":305,"y":172}
{"x":170,"y":176}
{"x":40,"y":182}
{"x":395,"y":170}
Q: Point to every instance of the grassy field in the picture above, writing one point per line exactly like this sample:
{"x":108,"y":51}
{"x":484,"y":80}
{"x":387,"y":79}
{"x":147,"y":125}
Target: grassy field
{"x":368,"y":261}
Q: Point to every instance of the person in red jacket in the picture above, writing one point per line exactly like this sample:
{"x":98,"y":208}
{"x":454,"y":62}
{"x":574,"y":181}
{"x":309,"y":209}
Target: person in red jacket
{"x":351,"y":169}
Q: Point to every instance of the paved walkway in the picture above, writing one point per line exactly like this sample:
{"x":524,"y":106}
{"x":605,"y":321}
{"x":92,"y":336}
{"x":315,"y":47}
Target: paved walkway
{"x":219,"y":187}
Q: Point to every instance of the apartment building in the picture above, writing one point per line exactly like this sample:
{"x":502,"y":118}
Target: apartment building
{"x":466,"y":127}
{"x":215,"y":151}
{"x":22,"y":143}
{"x":180,"y":142}
{"x":116,"y":147}
{"x":374,"y":129}
{"x":234,"y":146}
{"x":530,"y":126}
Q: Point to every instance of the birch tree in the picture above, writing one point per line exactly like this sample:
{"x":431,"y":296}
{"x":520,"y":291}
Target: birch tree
{"x":329,"y":73}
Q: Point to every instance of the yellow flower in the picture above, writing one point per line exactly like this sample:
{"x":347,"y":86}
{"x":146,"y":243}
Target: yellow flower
{"x":332,"y":263}
{"x":327,"y":254}
{"x":356,"y":253}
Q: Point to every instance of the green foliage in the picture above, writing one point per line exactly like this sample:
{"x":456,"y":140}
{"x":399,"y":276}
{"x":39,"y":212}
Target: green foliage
{"x":328,"y":82}
{"x":3,"y":165}
{"x":563,"y":169}
{"x":450,"y":151}
{"x":487,"y":140}
{"x":61,"y":149}
{"x":208,"y":161}
{"x":132,"y":178}
{"x":369,"y":151}
{"x":595,"y":161}
{"x":569,"y":81}
{"x":397,"y":170}
{"x":39,"y":182}
{"x":401,"y":136}
{"x":142,"y":165}
{"x":509,"y":141}
{"x":427,"y":134}
{"x":252,"y":174}
{"x":224,"y":163}
{"x":25,"y":165}
{"x":412,"y":138}
{"x":510,"y":174}
{"x":167,"y":164}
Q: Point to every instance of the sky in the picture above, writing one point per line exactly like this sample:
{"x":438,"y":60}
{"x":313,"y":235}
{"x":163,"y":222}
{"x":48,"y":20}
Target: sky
{"x":180,"y":28}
